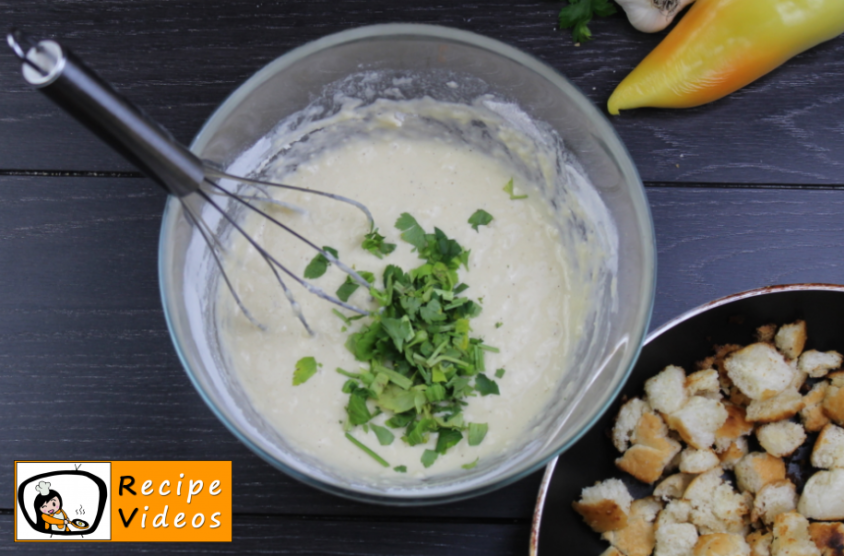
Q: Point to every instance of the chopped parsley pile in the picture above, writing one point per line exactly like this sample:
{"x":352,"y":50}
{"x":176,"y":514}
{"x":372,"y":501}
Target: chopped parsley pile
{"x":420,"y":363}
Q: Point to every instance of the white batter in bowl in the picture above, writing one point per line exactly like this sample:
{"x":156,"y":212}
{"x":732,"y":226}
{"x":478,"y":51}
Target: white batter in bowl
{"x":439,"y":144}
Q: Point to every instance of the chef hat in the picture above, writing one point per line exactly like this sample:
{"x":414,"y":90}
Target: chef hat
{"x":43,"y":488}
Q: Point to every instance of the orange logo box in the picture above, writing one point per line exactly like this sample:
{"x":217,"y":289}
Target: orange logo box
{"x":171,"y":501}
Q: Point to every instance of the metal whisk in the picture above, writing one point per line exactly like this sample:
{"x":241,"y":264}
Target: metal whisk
{"x":60,"y":75}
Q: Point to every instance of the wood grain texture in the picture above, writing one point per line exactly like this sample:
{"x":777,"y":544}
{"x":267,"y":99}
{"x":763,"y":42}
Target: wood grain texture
{"x":82,"y":335}
{"x":277,"y":535}
{"x":180,"y":59}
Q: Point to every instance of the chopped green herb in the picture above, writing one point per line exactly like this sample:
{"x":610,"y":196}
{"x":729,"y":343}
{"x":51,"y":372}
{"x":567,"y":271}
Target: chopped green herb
{"x":480,"y":218}
{"x":470,"y":465}
{"x":577,"y":15}
{"x":385,"y":437}
{"x":499,"y":324}
{"x":363,"y":447}
{"x":447,"y":438}
{"x":499,"y":373}
{"x":350,"y":286}
{"x":411,"y":231}
{"x":400,"y":469}
{"x":306,"y":367}
{"x":357,"y":410}
{"x":485,"y":386}
{"x":477,"y":432}
{"x":319,"y":264}
{"x":423,"y":362}
{"x":508,"y":189}
{"x":429,"y":457}
{"x":374,"y":243}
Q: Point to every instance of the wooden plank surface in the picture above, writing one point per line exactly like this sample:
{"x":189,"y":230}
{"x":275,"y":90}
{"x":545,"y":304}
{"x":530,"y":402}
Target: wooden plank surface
{"x":180,"y":59}
{"x":280,"y":535}
{"x":82,"y":334}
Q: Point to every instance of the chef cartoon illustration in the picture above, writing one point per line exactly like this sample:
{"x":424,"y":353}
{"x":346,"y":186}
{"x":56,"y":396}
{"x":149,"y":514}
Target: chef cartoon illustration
{"x":48,"y":509}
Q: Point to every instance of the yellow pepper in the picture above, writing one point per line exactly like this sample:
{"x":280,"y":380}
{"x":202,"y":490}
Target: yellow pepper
{"x":722,"y":45}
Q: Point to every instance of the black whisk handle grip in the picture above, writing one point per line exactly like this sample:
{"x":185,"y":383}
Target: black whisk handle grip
{"x":68,"y":82}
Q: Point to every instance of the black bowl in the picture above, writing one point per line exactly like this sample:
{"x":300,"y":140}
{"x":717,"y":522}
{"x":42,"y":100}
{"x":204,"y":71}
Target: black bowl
{"x":557,"y":529}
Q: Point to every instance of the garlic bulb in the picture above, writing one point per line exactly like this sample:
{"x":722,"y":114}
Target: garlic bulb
{"x":651,"y":16}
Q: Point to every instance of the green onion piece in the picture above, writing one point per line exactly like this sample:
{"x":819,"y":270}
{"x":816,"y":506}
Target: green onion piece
{"x":371,"y":454}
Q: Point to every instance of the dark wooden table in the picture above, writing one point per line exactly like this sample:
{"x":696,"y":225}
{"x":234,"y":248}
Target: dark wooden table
{"x":745,"y":192}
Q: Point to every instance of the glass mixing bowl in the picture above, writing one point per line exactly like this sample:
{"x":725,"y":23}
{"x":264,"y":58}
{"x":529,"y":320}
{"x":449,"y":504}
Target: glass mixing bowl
{"x":472,"y":65}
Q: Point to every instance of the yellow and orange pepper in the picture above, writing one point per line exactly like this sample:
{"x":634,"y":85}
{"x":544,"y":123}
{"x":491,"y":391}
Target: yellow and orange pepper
{"x":722,"y":45}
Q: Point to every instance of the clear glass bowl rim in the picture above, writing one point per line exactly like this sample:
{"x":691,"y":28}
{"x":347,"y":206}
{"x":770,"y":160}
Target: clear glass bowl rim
{"x":423,"y":31}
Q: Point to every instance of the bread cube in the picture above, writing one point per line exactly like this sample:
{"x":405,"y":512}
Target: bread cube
{"x":812,"y":414}
{"x":828,"y":537}
{"x":766,"y":333}
{"x":791,"y":536}
{"x":759,"y":371}
{"x":675,"y":539}
{"x":732,"y":455}
{"x":833,"y":404}
{"x":791,"y":338}
{"x":733,"y":428}
{"x":704,"y":383}
{"x":773,"y":499}
{"x":823,"y":496}
{"x":611,"y":551}
{"x":721,"y":544}
{"x":758,"y":469}
{"x":782,"y":438}
{"x":697,"y":421}
{"x":817,"y":364}
{"x":637,"y":538}
{"x":698,"y":461}
{"x":666,"y":391}
{"x":716,"y":506}
{"x":760,"y":543}
{"x":673,"y":486}
{"x":605,"y":505}
{"x":784,"y":405}
{"x":625,"y":423}
{"x":828,"y":452}
{"x":652,"y":450}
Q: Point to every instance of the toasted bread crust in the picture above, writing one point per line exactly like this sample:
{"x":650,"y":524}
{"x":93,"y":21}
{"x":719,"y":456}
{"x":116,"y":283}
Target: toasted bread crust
{"x":721,"y":544}
{"x":828,"y":537}
{"x":833,"y":404}
{"x":602,"y":516}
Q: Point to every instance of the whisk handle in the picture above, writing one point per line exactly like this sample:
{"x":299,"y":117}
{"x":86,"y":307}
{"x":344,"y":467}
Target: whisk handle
{"x":68,"y":82}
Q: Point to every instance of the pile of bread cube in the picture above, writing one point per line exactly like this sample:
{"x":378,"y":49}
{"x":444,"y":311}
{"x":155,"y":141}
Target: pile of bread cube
{"x":691,"y":436}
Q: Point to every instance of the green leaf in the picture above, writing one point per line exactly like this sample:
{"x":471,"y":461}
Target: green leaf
{"x":374,"y":243}
{"x":508,"y":189}
{"x":477,"y":432}
{"x":395,"y":377}
{"x":400,"y":420}
{"x":357,"y":409}
{"x":369,"y":451}
{"x":432,"y":312}
{"x":577,"y":15}
{"x":435,"y":393}
{"x":480,"y":218}
{"x":411,"y":231}
{"x":385,"y":437}
{"x":400,"y":469}
{"x":362,"y":344}
{"x":319,"y":264}
{"x":447,"y":438}
{"x":306,"y":367}
{"x":347,"y":288}
{"x":399,"y":330}
{"x":428,"y":458}
{"x":499,"y":373}
{"x":396,"y":400}
{"x":471,"y":465}
{"x":485,"y":386}
{"x":418,"y":432}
